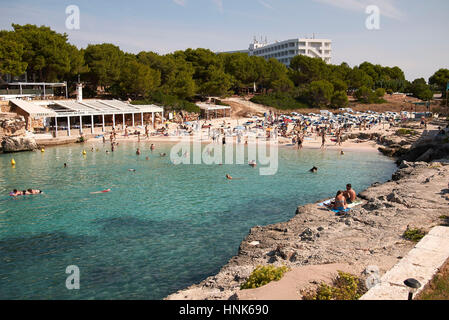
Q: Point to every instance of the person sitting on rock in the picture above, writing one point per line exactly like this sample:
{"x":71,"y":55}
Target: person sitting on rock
{"x":349,"y":194}
{"x":339,"y":202}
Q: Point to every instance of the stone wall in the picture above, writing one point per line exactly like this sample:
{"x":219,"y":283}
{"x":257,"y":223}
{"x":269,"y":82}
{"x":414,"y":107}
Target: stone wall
{"x":11,"y":125}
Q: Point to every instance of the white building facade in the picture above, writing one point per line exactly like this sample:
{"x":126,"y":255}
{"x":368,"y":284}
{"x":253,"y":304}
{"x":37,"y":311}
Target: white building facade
{"x":284,"y":51}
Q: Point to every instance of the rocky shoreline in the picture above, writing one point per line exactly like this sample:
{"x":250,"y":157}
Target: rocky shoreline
{"x":371,"y":234}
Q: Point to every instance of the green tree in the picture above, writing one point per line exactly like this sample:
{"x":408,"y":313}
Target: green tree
{"x":136,"y":79}
{"x":46,"y":52}
{"x":320,"y":93}
{"x":358,"y":78}
{"x":105,"y":63}
{"x":421,"y":89}
{"x":306,"y":70}
{"x":363,"y":94}
{"x":11,"y":55}
{"x":440,"y":79}
{"x":339,"y":99}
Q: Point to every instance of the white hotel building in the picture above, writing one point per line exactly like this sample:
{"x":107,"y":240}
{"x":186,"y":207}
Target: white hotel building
{"x":285,"y":50}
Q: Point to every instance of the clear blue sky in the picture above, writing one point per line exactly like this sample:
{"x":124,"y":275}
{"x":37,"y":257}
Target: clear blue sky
{"x":413,"y":33}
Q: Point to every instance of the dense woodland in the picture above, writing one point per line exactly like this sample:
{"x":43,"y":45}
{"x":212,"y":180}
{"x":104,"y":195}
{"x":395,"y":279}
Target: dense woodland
{"x":175,"y":79}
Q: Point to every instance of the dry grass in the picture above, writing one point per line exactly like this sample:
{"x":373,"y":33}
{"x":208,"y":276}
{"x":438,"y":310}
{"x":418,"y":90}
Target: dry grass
{"x":438,"y":288}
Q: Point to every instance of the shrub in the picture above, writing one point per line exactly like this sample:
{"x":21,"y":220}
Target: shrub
{"x":279,"y":100}
{"x":413,"y":234}
{"x":403,"y":132}
{"x":366,"y":95}
{"x":169,"y":102}
{"x":345,"y":287}
{"x":263,"y":275}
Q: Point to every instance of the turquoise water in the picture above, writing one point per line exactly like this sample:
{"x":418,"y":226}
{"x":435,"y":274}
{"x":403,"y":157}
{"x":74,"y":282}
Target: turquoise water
{"x":161,"y":228}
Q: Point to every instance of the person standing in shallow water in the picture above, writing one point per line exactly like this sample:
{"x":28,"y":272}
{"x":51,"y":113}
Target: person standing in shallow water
{"x":323,"y":139}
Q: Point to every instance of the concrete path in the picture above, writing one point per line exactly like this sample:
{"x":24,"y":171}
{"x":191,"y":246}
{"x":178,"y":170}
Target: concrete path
{"x":421,"y":263}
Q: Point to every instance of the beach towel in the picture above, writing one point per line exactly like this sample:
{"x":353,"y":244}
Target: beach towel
{"x":354,"y":204}
{"x":328,"y":202}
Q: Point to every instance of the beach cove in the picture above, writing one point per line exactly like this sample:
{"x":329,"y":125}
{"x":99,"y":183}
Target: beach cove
{"x":315,"y":245}
{"x":153,"y":234}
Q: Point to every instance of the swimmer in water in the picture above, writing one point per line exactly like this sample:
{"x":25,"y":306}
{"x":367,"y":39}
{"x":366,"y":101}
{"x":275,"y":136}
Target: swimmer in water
{"x":132,"y":170}
{"x":104,"y":191}
{"x":15,"y":193}
{"x":31,"y":191}
{"x":252,"y":163}
{"x":228,"y":177}
{"x":314,"y":169}
{"x":138,"y":151}
{"x":152,"y":147}
{"x":147,"y":158}
{"x":163,"y":154}
{"x":65,"y":165}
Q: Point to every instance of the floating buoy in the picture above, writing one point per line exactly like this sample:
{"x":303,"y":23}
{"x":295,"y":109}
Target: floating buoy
{"x":84,"y":152}
{"x":42,"y":150}
{"x":13,"y":162}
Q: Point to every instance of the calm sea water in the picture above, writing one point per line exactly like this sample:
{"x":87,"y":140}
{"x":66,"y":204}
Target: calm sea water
{"x":161,"y":228}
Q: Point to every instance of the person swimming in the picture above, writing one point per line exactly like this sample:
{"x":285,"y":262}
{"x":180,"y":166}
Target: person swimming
{"x":228,"y":177}
{"x":31,"y":191}
{"x":252,"y":163}
{"x":103,"y":191}
{"x":15,"y":193}
{"x":152,"y":147}
{"x":138,"y":151}
{"x":65,"y":165}
{"x":314,"y":169}
{"x":162,"y":154}
{"x":132,"y":170}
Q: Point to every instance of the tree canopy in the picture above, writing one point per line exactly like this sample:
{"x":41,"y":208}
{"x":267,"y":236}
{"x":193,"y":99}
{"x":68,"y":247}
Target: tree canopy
{"x":178,"y":77}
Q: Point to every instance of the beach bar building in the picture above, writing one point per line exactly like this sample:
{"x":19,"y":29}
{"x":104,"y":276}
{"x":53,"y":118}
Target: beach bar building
{"x":79,"y":114}
{"x":210,"y":111}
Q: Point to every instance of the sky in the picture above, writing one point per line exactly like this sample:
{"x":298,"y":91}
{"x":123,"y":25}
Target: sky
{"x":412,"y":34}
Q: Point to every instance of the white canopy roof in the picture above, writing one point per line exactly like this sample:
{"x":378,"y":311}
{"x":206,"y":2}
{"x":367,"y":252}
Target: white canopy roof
{"x":32,"y":109}
{"x":82,"y":108}
{"x":206,"y":106}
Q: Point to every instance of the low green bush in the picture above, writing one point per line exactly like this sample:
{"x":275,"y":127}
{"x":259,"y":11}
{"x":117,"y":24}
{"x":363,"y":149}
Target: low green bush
{"x":414,"y":234}
{"x":263,"y":275}
{"x":403,"y":132}
{"x":345,"y":287}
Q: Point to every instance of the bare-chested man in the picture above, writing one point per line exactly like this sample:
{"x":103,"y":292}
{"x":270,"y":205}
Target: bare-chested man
{"x":349,"y":194}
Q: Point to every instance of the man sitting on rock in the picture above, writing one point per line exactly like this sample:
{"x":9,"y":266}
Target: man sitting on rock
{"x":349,"y":194}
